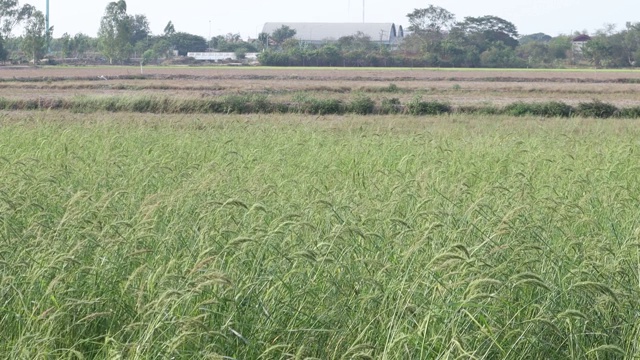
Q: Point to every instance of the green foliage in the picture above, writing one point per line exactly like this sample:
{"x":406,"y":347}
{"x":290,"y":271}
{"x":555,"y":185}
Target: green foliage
{"x":390,"y":106}
{"x":597,"y":109}
{"x":35,"y":37}
{"x":319,"y":106}
{"x":304,"y":104}
{"x":597,"y":51}
{"x":149,"y":56}
{"x":115,"y":32}
{"x":537,"y":37}
{"x":432,"y":19}
{"x":630,"y":112}
{"x":3,"y":52}
{"x":500,"y":56}
{"x":362,"y":105}
{"x":81,"y":44}
{"x":12,"y":14}
{"x":184,"y":43}
{"x":66,"y":45}
{"x":283,"y":33}
{"x":544,"y":109}
{"x":391,"y":88}
{"x":169,"y":29}
{"x":418,"y":107}
{"x":480,"y":110}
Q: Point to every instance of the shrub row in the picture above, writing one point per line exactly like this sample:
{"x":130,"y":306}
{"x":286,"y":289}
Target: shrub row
{"x":361,"y":104}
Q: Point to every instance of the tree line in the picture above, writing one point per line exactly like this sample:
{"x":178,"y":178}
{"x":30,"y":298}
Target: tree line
{"x":122,"y":37}
{"x":435,"y":38}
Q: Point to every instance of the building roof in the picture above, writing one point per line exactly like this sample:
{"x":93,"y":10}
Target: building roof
{"x":582,"y":37}
{"x":318,"y":32}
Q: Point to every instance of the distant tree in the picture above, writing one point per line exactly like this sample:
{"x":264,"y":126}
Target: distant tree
{"x":330,"y":55}
{"x":35,"y":36}
{"x":11,"y":14}
{"x":80,"y":44}
{"x":283,"y":33}
{"x":162,"y":47}
{"x":489,"y":29}
{"x":149,"y":56}
{"x":185,"y":43}
{"x":500,"y":56}
{"x":66,"y":45}
{"x":263,"y":37}
{"x":115,"y":32}
{"x":233,"y":38}
{"x":559,"y":47}
{"x":140,"y":30}
{"x":632,"y":43}
{"x":217,"y":42}
{"x":3,"y":52}
{"x":489,"y":23}
{"x":539,"y":37}
{"x":534,"y":53}
{"x":290,"y":44}
{"x":359,"y":41}
{"x":430,"y":19}
{"x":169,"y":29}
{"x":597,"y":51}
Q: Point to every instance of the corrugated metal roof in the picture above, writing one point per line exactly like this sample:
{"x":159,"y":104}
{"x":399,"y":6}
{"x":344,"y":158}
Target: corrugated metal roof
{"x":319,"y":32}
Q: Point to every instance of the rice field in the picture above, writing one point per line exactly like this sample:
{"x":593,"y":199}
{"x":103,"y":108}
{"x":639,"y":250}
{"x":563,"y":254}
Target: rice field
{"x":144,"y":236}
{"x":140,"y":221}
{"x":459,"y":87}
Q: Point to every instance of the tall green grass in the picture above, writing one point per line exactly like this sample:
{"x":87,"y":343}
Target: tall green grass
{"x":252,"y":237}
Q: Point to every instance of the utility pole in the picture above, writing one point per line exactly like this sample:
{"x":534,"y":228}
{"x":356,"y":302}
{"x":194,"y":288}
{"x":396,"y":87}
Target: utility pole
{"x":48,"y":33}
{"x":362,"y":11}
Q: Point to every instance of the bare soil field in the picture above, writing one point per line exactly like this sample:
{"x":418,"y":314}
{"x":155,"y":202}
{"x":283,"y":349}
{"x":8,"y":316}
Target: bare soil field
{"x":455,"y":86}
{"x":379,"y":74}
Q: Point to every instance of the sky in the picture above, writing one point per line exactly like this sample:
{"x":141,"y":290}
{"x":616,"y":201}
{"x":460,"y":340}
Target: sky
{"x":247,"y":17}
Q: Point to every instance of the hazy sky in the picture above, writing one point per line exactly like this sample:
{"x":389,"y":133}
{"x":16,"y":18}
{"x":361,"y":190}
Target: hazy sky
{"x":247,"y":16}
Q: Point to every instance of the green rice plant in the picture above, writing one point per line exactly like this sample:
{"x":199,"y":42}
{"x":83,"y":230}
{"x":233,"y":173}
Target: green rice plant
{"x":132,"y":235}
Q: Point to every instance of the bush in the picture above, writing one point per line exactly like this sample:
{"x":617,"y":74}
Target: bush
{"x":419,"y":107}
{"x":597,"y":109}
{"x":362,"y":105}
{"x":321,"y":106}
{"x":479,"y":110}
{"x":632,"y":112}
{"x":548,"y":109}
{"x":555,"y":109}
{"x":390,"y":106}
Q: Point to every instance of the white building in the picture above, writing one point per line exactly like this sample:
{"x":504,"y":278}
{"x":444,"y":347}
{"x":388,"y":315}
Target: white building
{"x":578,"y":42}
{"x":320,"y":33}
{"x":220,"y":56}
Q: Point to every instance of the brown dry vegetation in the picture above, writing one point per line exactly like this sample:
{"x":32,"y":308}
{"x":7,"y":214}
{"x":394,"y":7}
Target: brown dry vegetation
{"x":457,"y":87}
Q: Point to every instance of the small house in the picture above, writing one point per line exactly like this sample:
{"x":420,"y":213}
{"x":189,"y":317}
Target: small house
{"x":578,"y":42}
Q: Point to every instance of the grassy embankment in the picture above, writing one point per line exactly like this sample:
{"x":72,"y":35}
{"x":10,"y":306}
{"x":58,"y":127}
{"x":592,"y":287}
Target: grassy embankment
{"x":303,"y":103}
{"x":265,"y":236}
